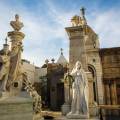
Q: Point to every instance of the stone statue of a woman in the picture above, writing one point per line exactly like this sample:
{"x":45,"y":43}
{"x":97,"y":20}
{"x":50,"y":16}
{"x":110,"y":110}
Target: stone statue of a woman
{"x":79,"y":106}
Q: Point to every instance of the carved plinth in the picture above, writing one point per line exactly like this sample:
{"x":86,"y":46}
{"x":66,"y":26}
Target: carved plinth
{"x":77,"y":116}
{"x":65,"y":109}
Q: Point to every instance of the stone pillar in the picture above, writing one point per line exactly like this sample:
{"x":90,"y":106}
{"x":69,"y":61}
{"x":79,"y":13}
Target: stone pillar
{"x":93,"y":109}
{"x":113,"y":93}
{"x":67,"y":93}
{"x":90,"y":84}
{"x":77,"y":46}
{"x":15,"y":77}
{"x":107,"y":94}
{"x":66,"y":106}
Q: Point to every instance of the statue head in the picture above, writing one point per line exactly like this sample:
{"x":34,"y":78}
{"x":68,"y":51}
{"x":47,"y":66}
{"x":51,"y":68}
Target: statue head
{"x":17,"y":17}
{"x":78,"y":65}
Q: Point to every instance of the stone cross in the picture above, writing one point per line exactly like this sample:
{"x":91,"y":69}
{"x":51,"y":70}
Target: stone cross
{"x":82,"y":11}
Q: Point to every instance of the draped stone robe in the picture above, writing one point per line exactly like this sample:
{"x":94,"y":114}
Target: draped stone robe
{"x":80,"y":92}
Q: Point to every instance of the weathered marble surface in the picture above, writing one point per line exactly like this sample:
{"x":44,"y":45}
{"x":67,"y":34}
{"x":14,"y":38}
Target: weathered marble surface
{"x":79,"y":106}
{"x":65,"y":109}
{"x":13,"y":107}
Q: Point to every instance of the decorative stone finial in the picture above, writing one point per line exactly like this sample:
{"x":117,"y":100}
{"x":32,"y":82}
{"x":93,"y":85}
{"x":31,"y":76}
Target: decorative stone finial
{"x":6,"y":40}
{"x":46,"y":61}
{"x":53,"y":60}
{"x":61,"y":51}
{"x":16,"y":25}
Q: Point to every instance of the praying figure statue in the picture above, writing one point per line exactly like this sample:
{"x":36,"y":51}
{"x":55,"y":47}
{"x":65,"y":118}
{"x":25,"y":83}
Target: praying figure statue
{"x":79,"y":104}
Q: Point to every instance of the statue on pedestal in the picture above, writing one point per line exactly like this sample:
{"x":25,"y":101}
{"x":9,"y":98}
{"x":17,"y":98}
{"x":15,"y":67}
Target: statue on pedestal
{"x":16,"y":37}
{"x":79,"y":107}
{"x":11,"y":75}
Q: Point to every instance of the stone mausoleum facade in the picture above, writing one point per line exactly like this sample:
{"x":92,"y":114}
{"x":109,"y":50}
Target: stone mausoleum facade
{"x":103,"y":64}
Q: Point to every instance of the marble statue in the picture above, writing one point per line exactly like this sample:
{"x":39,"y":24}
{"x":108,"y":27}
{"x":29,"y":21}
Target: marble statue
{"x":76,"y":20}
{"x":4,"y":69}
{"x":15,"y":53}
{"x":79,"y":105}
{"x":12,"y":77}
{"x":79,"y":20}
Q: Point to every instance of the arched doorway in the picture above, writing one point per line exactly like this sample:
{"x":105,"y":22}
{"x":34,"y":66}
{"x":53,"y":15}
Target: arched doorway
{"x":93,"y":71}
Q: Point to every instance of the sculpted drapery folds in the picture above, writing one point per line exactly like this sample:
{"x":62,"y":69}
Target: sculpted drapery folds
{"x":80,"y":91}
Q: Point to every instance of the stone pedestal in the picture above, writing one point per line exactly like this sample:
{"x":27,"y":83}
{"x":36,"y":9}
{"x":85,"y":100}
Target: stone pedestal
{"x":65,"y":118}
{"x":94,"y":111}
{"x":16,"y":108}
{"x":65,"y":109}
{"x":77,"y":116}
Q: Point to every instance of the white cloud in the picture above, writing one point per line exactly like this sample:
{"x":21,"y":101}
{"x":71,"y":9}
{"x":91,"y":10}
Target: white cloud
{"x":106,"y":25}
{"x":43,"y":39}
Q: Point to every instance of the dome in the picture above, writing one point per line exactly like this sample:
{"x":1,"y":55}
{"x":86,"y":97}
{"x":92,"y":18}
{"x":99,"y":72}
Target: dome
{"x":62,"y":59}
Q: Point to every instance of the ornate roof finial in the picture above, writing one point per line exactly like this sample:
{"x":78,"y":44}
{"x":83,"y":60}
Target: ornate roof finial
{"x":53,"y":60}
{"x":6,"y":40}
{"x":61,"y":51}
{"x":16,"y":25}
{"x":46,"y":61}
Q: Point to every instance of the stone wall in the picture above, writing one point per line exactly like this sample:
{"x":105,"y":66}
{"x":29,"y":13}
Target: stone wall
{"x":110,"y":58}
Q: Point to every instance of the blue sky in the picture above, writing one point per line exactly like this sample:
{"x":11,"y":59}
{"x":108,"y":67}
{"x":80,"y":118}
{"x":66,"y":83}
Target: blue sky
{"x":45,"y":20}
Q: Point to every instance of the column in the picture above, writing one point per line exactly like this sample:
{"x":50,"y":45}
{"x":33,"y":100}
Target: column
{"x":113,"y":93}
{"x":90,"y":85}
{"x":15,"y":77}
{"x":107,"y":93}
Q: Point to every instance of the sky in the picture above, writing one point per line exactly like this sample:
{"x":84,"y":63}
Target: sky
{"x":45,"y":22}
